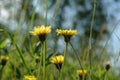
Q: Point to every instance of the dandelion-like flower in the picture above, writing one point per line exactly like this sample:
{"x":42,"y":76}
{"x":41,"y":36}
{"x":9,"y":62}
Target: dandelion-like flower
{"x":82,"y":74}
{"x":107,"y":65}
{"x":41,"y":32}
{"x":4,"y":60}
{"x":66,"y":33}
{"x":29,"y":77}
{"x":58,"y":61}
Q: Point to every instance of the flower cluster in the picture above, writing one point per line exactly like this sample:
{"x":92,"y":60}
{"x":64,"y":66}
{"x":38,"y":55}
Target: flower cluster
{"x":42,"y":31}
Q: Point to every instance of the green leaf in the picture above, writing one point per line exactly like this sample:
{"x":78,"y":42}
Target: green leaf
{"x":4,"y":43}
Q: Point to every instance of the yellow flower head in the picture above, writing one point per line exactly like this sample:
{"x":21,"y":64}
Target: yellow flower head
{"x":107,"y":65}
{"x":81,"y":72}
{"x":41,"y":31}
{"x":57,"y":60}
{"x":29,"y":77}
{"x":4,"y":59}
{"x":66,"y":33}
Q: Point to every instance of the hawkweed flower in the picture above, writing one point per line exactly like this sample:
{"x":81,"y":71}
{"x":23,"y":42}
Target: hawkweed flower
{"x":107,"y":65}
{"x":41,"y":32}
{"x":58,"y":61}
{"x":4,"y":60}
{"x":66,"y":33}
{"x":29,"y":77}
{"x":82,"y":74}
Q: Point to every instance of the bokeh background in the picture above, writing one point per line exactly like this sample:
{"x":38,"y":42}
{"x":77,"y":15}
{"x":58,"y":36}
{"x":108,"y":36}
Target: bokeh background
{"x":20,"y":16}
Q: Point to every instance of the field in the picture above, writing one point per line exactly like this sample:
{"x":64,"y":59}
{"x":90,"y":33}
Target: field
{"x":44,"y":52}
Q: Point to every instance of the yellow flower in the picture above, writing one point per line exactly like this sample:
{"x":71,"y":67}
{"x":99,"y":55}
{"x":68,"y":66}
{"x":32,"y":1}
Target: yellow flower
{"x":81,"y":72}
{"x":41,"y":31}
{"x":107,"y":65}
{"x":66,"y":33}
{"x":29,"y":77}
{"x":4,"y":59}
{"x":57,"y":60}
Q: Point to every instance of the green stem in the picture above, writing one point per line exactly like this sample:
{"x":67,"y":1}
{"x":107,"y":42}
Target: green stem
{"x":28,"y":28}
{"x":41,"y":56}
{"x":63,"y":65}
{"x":22,"y":57}
{"x":46,"y":12}
{"x":22,"y":16}
{"x":44,"y":44}
{"x":44,"y":59}
{"x":1,"y":71}
{"x":90,"y":39}
{"x":60,"y":75}
{"x":77,"y":56}
{"x":18,"y":49}
{"x":104,"y":76}
{"x":21,"y":54}
{"x":66,"y":49}
{"x":103,"y":49}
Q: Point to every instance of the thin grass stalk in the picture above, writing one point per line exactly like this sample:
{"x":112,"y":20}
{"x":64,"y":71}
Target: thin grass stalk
{"x":90,"y":39}
{"x":56,"y":10}
{"x":30,"y":24}
{"x":63,"y":65}
{"x":14,"y":69}
{"x":22,"y":57}
{"x":19,"y":51}
{"x":15,"y":62}
{"x":103,"y":49}
{"x":44,"y":44}
{"x":22,"y":15}
{"x":46,"y":22}
{"x":92,"y":23}
{"x":117,"y":57}
{"x":77,"y":56}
